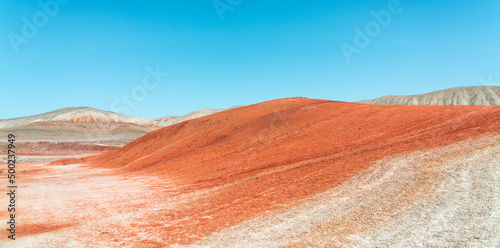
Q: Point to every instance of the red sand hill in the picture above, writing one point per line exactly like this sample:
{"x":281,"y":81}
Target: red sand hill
{"x":268,"y":155}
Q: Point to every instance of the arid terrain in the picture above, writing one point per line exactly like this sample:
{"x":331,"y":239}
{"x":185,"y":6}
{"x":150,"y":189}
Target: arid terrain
{"x":478,"y":95}
{"x":78,"y":132}
{"x":293,"y":172}
{"x":70,"y":132}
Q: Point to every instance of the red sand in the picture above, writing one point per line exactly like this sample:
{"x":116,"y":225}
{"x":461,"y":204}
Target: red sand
{"x":267,"y":156}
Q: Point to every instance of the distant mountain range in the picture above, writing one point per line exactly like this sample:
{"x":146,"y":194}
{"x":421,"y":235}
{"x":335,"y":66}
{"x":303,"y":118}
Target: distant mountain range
{"x":474,"y":95}
{"x":171,"y":120}
{"x":80,"y":131}
{"x":77,"y":114}
{"x":92,"y":115}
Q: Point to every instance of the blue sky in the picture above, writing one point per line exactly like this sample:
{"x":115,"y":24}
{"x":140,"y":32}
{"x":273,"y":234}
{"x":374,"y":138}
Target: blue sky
{"x":96,"y":53}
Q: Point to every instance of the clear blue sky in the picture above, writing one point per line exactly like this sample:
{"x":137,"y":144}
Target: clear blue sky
{"x":91,"y":53}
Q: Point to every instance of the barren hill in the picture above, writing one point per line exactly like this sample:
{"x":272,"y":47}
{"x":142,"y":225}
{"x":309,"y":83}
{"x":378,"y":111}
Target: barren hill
{"x":76,"y":114}
{"x":291,"y":173}
{"x":477,"y":95}
{"x":72,"y":132}
{"x":171,"y":120}
{"x":82,"y":131}
{"x":75,"y":130}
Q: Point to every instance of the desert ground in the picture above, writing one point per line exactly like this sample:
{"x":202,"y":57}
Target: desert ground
{"x":291,"y":172}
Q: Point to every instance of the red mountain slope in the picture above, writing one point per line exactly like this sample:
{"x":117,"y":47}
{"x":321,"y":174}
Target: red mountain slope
{"x":266,"y":156}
